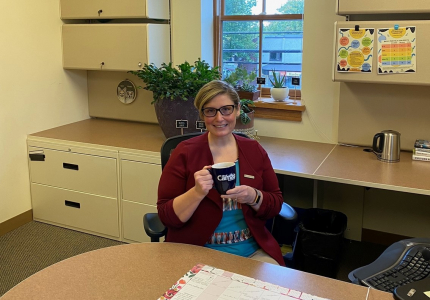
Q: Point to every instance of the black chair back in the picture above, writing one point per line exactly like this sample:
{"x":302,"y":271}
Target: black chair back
{"x":170,"y":144}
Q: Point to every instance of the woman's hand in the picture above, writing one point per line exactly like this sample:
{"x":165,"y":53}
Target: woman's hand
{"x":243,"y":194}
{"x":203,"y":181}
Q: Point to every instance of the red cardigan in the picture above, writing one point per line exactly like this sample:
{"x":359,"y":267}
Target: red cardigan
{"x":178,"y":177}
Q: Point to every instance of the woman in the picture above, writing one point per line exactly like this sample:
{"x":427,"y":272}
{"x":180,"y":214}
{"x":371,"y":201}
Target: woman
{"x":194,"y":212}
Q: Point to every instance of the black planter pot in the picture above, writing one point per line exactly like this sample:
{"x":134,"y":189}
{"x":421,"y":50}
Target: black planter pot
{"x":169,"y":111}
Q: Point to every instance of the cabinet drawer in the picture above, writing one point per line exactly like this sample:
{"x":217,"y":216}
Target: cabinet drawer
{"x":140,"y":181}
{"x":114,"y":9}
{"x":85,"y":173}
{"x":132,"y":220}
{"x":117,"y":47}
{"x":77,"y":210}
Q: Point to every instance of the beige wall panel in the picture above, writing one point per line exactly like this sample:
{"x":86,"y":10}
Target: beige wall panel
{"x":96,"y":214}
{"x":84,"y":9}
{"x":187,"y":42}
{"x":319,"y":92}
{"x":347,"y":199}
{"x":48,"y":96}
{"x":398,"y":213}
{"x":132,"y":220}
{"x":420,"y":77}
{"x":79,"y":172}
{"x":114,"y":47}
{"x":140,"y":181}
{"x":366,"y":109}
{"x":350,"y":7}
{"x":103,"y":101}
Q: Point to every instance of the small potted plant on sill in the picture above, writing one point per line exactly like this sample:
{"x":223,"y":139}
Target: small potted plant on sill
{"x":174,"y":90}
{"x":243,"y":83}
{"x":279,"y":91}
{"x":245,"y":121}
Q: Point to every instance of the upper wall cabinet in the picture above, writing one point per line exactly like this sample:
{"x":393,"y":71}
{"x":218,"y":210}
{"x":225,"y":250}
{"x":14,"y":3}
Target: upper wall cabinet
{"x":114,"y":9}
{"x":351,"y":7}
{"x":114,"y":47}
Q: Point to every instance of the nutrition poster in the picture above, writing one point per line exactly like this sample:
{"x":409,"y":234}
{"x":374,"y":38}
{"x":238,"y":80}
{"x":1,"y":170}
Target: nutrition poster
{"x":397,"y":50}
{"x":354,"y":50}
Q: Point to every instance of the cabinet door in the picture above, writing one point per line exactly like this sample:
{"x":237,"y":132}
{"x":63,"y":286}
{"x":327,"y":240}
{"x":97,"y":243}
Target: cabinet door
{"x":116,"y":47}
{"x":114,"y":9}
{"x":132,"y":220}
{"x":139,"y":181}
{"x":349,"y":7}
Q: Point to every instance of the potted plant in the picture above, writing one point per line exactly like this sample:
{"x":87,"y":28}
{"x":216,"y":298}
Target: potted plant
{"x":279,"y":91}
{"x":245,"y":122}
{"x":242,"y":80}
{"x":174,"y":90}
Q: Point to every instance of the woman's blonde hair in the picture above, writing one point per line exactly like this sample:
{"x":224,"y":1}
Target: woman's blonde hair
{"x":212,"y":89}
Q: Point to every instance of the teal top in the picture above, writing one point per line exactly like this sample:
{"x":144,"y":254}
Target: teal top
{"x":232,"y":234}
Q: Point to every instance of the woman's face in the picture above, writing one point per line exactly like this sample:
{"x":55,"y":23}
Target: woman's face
{"x":221,"y":125}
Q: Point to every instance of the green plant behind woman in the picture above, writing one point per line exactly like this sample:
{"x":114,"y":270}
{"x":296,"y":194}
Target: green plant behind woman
{"x":183,"y":82}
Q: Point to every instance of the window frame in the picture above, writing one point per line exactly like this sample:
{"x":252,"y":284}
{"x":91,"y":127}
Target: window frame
{"x":220,"y":17}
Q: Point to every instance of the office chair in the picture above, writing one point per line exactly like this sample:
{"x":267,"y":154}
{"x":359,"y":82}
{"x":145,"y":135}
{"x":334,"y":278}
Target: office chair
{"x":155,"y":229}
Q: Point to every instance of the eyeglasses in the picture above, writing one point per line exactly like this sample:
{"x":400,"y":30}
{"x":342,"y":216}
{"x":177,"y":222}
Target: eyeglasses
{"x":225,"y":110}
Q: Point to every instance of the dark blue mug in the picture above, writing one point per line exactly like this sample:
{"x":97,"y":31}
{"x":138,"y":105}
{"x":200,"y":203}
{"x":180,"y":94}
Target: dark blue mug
{"x":224,"y":176}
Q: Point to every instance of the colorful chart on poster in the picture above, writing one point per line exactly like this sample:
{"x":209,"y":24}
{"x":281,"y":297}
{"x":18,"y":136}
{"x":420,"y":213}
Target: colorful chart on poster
{"x":397,"y":50}
{"x":354,"y":50}
{"x":204,"y":282}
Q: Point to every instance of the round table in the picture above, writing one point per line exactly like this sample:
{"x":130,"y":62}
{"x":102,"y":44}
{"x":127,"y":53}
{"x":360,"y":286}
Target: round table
{"x":147,"y":270}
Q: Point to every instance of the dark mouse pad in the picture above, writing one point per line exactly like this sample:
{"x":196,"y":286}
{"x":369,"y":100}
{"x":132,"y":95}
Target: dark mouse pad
{"x":422,"y":290}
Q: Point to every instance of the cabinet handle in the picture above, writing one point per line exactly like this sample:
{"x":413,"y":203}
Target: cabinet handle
{"x":100,"y":12}
{"x":72,"y":204}
{"x":102,"y":64}
{"x":70,"y":166}
{"x":37,"y":156}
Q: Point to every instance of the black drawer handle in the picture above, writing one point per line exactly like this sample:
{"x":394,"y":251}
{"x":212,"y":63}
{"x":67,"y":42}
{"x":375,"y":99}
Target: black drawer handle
{"x":72,"y":204}
{"x":70,"y":166}
{"x":37,"y":156}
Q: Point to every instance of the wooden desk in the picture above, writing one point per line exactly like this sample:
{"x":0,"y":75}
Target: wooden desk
{"x":321,"y":161}
{"x":352,"y":165}
{"x":147,"y":270}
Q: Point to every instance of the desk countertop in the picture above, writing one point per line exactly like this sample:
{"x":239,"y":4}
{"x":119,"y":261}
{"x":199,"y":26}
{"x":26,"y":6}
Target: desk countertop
{"x":147,"y":270}
{"x":329,"y":162}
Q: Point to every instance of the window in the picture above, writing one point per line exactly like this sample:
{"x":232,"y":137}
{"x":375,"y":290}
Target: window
{"x":260,"y":35}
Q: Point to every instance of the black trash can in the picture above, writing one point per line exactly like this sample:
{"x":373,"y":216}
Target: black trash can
{"x":319,"y":241}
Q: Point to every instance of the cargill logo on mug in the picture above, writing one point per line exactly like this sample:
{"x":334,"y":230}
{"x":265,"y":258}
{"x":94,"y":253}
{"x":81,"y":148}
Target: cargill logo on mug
{"x":229,"y":177}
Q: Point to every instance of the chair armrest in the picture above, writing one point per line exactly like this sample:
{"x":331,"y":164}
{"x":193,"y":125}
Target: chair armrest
{"x":153,"y":226}
{"x":288,"y":213}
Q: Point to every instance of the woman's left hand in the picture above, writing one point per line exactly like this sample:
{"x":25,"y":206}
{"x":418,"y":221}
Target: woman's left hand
{"x":243,"y":194}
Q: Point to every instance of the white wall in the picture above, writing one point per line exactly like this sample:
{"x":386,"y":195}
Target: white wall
{"x":36,"y":93}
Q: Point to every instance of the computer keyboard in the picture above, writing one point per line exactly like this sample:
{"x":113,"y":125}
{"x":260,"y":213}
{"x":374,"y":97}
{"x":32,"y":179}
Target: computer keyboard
{"x":414,"y":265}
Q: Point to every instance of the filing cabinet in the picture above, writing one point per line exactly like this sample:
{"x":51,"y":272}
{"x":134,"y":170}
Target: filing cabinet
{"x":114,"y":47}
{"x":113,"y":9}
{"x":75,"y":187}
{"x":139,"y":181}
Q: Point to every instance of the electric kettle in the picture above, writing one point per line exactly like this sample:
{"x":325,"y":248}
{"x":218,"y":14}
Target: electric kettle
{"x":386,"y":146}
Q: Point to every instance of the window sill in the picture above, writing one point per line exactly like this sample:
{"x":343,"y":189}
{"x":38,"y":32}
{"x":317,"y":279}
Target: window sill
{"x":290,"y":110}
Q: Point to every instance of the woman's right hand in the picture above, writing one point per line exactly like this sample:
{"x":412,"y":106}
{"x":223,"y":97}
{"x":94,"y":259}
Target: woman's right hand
{"x":203,"y":181}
